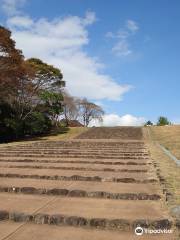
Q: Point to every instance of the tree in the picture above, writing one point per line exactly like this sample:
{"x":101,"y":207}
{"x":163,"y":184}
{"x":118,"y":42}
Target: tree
{"x":70,"y":108}
{"x":23,"y":110}
{"x":47,"y":77}
{"x":12,"y":67}
{"x":90,"y":111}
{"x":148,"y":123}
{"x":163,"y":121}
{"x":37,"y":123}
{"x":52,"y":105}
{"x":46,"y":80}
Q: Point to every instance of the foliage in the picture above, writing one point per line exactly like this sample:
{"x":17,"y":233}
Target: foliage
{"x":52,"y":104}
{"x":30,"y":92}
{"x":37,"y":123}
{"x":163,"y":121}
{"x":148,"y":123}
{"x":13,"y":68}
{"x":46,"y":76}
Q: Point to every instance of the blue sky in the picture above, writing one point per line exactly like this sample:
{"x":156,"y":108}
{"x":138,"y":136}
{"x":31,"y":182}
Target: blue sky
{"x":123,"y":55}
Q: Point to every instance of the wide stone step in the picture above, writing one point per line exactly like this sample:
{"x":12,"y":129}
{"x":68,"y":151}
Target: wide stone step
{"x":106,"y":176}
{"x":75,"y":148}
{"x":15,"y":231}
{"x":74,"y":153}
{"x":77,"y":160}
{"x":80,"y":193}
{"x":73,"y":145}
{"x":115,"y":150}
{"x":83,"y":212}
{"x":78,"y":166}
{"x":73,"y":156}
{"x":88,"y":150}
{"x":85,"y":153}
{"x":78,"y":178}
{"x":80,"y":145}
{"x":115,"y":191}
{"x":112,"y":187}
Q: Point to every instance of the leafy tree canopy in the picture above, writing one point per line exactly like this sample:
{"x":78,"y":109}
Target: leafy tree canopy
{"x":163,"y":121}
{"x":148,"y":123}
{"x":47,"y":76}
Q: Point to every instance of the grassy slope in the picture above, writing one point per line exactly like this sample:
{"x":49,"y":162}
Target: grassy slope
{"x":168,"y":136}
{"x":70,"y":134}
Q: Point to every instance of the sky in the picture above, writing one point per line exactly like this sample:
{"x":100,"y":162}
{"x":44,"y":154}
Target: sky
{"x":123,"y":55}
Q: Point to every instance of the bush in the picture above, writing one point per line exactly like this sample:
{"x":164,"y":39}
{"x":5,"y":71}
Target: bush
{"x":163,"y":121}
{"x":6,"y":124}
{"x":37,"y":123}
{"x":148,"y":123}
{"x":12,"y":128}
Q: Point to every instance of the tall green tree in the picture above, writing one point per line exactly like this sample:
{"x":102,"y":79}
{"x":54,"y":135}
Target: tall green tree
{"x":51,"y":105}
{"x":47,"y":77}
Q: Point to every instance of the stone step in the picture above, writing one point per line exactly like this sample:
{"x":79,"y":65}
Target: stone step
{"x":75,"y":152}
{"x":82,"y":145}
{"x":78,"y":178}
{"x":90,"y":142}
{"x":77,"y":189}
{"x":79,"y":160}
{"x":73,"y":156}
{"x":79,"y":169}
{"x":84,"y":149}
{"x":17,"y":231}
{"x":83,"y":212}
{"x":107,"y":176}
{"x":73,"y":145}
{"x":78,"y":166}
{"x":112,"y":187}
{"x":79,"y":193}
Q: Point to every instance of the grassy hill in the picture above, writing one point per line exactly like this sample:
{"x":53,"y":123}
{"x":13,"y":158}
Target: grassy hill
{"x":169,"y":137}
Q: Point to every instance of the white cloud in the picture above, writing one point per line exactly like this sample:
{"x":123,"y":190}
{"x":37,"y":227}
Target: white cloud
{"x":122,"y":48}
{"x":90,"y":18}
{"x":11,"y":7}
{"x":20,"y":21}
{"x":116,"y":120}
{"x":132,"y":26}
{"x":122,"y":45}
{"x":60,"y":42}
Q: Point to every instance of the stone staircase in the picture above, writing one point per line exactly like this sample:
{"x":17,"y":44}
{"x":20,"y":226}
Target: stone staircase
{"x":91,"y":187}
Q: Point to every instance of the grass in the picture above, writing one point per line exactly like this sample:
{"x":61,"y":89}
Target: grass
{"x":169,"y":137}
{"x":64,"y":134}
